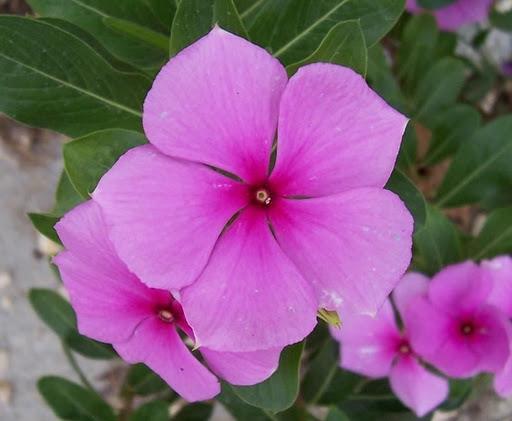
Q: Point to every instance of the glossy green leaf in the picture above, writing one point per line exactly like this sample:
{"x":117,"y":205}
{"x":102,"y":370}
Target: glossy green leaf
{"x":335,"y":414}
{"x":151,"y":411}
{"x":481,"y":170}
{"x":411,"y":196}
{"x":293,"y":29}
{"x":279,"y":391}
{"x":195,"y":18}
{"x":127,"y":28}
{"x":142,"y":381}
{"x":58,"y":315}
{"x":50,"y":78}
{"x":44,"y":223}
{"x":451,"y":129}
{"x":194,"y":412}
{"x":495,"y":237}
{"x":437,"y":244}
{"x":434,"y":4}
{"x":69,"y":401}
{"x":86,"y":159}
{"x":344,"y":44}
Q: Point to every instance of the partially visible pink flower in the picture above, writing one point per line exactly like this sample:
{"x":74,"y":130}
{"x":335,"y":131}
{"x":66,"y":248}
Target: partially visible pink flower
{"x":455,"y":328}
{"x":375,"y":347}
{"x":499,"y":270}
{"x":142,"y":323}
{"x":255,"y":252}
{"x":503,"y":379}
{"x":457,"y":14}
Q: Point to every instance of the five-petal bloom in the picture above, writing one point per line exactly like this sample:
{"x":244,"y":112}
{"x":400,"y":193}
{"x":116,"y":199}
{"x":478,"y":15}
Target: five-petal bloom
{"x":375,"y":347}
{"x":254,"y":252}
{"x":113,"y":306}
{"x":457,"y":14}
{"x":454,"y":327}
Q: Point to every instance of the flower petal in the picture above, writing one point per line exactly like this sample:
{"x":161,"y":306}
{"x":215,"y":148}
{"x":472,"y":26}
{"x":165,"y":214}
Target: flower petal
{"x":410,"y":286}
{"x":243,"y":368}
{"x":500,"y":271}
{"x":416,"y":387}
{"x":352,"y":247}
{"x":503,"y":379}
{"x":165,"y":215}
{"x":335,"y":133}
{"x":158,"y":345}
{"x":369,"y":344}
{"x":217,"y":103}
{"x":109,"y":301}
{"x":250,"y":296}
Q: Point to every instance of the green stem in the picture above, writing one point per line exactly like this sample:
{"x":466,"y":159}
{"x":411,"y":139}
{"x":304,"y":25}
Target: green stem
{"x":74,"y":364}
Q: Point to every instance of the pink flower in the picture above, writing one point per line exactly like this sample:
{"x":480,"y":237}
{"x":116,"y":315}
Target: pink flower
{"x":454,"y":328}
{"x":375,"y":347}
{"x":142,"y":323}
{"x":457,"y":14}
{"x":254,"y":253}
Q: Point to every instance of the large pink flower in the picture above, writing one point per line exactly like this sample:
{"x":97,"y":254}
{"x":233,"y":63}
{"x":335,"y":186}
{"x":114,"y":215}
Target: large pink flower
{"x":375,"y":347}
{"x":457,"y":14}
{"x":113,"y":306}
{"x":455,"y":328}
{"x":255,"y":252}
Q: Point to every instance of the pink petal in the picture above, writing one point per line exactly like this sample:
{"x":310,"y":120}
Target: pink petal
{"x":109,"y":300}
{"x":335,"y":133}
{"x":217,"y":103}
{"x":503,"y":379}
{"x":460,"y":288}
{"x":165,"y":215}
{"x":250,"y":296}
{"x":416,"y":387}
{"x":369,"y":344}
{"x":158,"y":345}
{"x":352,"y":247}
{"x":500,"y":272}
{"x":243,"y":368}
{"x":410,"y":286}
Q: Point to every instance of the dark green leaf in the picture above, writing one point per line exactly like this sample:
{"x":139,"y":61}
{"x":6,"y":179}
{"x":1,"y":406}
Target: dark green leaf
{"x":495,"y":237}
{"x":336,"y":414}
{"x":279,"y":391}
{"x":411,"y":196}
{"x":114,"y":24}
{"x":451,"y":129}
{"x":434,"y":4}
{"x":340,"y":388}
{"x":481,"y":170}
{"x":407,"y":153}
{"x":437,"y":243}
{"x":66,"y":196}
{"x":72,"y":402}
{"x":142,"y":381}
{"x":56,"y":312}
{"x":44,"y":223}
{"x":293,"y":29}
{"x":501,"y":20}
{"x":459,"y":392}
{"x":86,"y":159}
{"x":239,"y":409}
{"x":50,"y":78}
{"x":344,"y":44}
{"x":194,"y":412}
{"x":151,"y":411}
{"x":321,"y":372}
{"x":195,"y":18}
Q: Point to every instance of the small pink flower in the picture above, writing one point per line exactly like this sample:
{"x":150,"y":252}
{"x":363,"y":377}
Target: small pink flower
{"x":455,"y":328}
{"x":375,"y":347}
{"x":255,"y":252}
{"x":142,"y":323}
{"x":457,"y":14}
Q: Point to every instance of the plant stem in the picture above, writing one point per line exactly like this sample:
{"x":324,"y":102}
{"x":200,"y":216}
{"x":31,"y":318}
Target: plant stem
{"x":74,"y":364}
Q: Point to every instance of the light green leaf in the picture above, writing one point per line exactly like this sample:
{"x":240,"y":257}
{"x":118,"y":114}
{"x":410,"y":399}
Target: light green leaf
{"x":495,"y":237}
{"x":344,"y":44}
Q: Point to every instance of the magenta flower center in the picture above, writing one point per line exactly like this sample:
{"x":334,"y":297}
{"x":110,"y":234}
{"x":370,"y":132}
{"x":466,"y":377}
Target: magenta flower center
{"x":467,"y":328}
{"x":261,"y":195}
{"x":404,"y":348}
{"x":166,"y":315}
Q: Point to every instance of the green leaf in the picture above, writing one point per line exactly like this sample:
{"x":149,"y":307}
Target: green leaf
{"x":151,"y":411}
{"x":293,"y":29}
{"x":130,"y":29}
{"x":501,"y":20}
{"x":194,"y":412}
{"x":481,"y":170}
{"x":460,"y":390}
{"x":279,"y":391}
{"x":336,"y":414}
{"x":142,"y":381}
{"x":44,"y":223}
{"x":451,"y":130}
{"x":50,"y":78}
{"x":70,"y":401}
{"x":239,"y":409}
{"x":437,"y":244}
{"x":495,"y":237}
{"x":411,"y":196}
{"x":407,"y":153}
{"x":344,"y":44}
{"x":66,"y":196}
{"x":195,"y":18}
{"x":434,"y":4}
{"x":59,"y":316}
{"x":86,"y":159}
{"x":439,"y":88}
